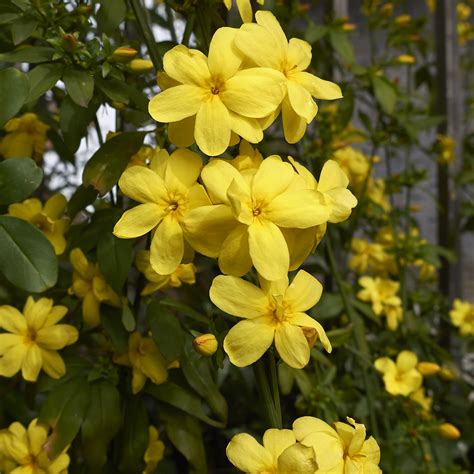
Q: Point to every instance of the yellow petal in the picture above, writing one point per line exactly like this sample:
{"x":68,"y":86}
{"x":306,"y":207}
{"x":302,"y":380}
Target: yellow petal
{"x":303,"y":293}
{"x":371,"y":451}
{"x":26,"y":210}
{"x":240,"y":201}
{"x":177,"y":103}
{"x":308,"y":425}
{"x":37,"y":436}
{"x":317,"y":87}
{"x":248,"y":340}
{"x":152,"y":363}
{"x":138,"y":380}
{"x":406,"y":361}
{"x":53,"y":364}
{"x":268,"y":20}
{"x":294,"y":126}
{"x":298,"y":459}
{"x":247,"y":455}
{"x":245,"y":10}
{"x":224,"y":59}
{"x":31,"y":365}
{"x":142,"y":185}
{"x":332,"y":177}
{"x":167,"y":246}
{"x":238,"y":297}
{"x":37,"y":313}
{"x":183,"y":170}
{"x":12,"y":360}
{"x":81,"y":264}
{"x":55,"y":206}
{"x":57,"y":241}
{"x":186,"y":66}
{"x":197,"y":197}
{"x":181,"y":133}
{"x":212,"y":130}
{"x":248,"y":128}
{"x":384,"y":365}
{"x":91,"y":310}
{"x":301,"y":101}
{"x":276,"y":441}
{"x":234,"y":258}
{"x":254,"y":92}
{"x":217,"y":176}
{"x":268,"y":250}
{"x":305,"y":321}
{"x":7,"y":341}
{"x":271,"y":179}
{"x":298,"y":209}
{"x":55,"y":315}
{"x":56,"y":337}
{"x":292,"y":345}
{"x":299,"y":53}
{"x":342,"y":201}
{"x":12,"y":320}
{"x":138,"y":221}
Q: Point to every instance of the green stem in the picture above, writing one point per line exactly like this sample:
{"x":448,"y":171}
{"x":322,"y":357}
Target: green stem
{"x":188,"y":29}
{"x":142,"y":19}
{"x":169,"y":19}
{"x":265,"y":393}
{"x":275,"y":388}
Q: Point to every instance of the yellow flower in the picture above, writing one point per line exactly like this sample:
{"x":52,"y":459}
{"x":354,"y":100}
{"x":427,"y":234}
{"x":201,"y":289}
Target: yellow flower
{"x":205,"y":344}
{"x":48,"y":218}
{"x":33,"y":338}
{"x":376,"y":192}
{"x":449,"y":431}
{"x":26,"y":137}
{"x":427,"y":270}
{"x":280,"y":454}
{"x":369,"y":257}
{"x":355,"y":164}
{"x":89,"y":285}
{"x":402,"y":20}
{"x":382,"y":294}
{"x":462,"y":316}
{"x":22,"y":451}
{"x":220,"y":96}
{"x":244,"y":7}
{"x":154,"y":452}
{"x":406,"y":59}
{"x":166,"y":191}
{"x":249,"y":158}
{"x":143,"y":156}
{"x":244,"y":226}
{"x":400,"y":377}
{"x":266,"y":45}
{"x":422,"y":399}
{"x":340,"y":450}
{"x":446,"y":148}
{"x":276,"y":311}
{"x":463,"y":11}
{"x":146,"y":361}
{"x":428,"y":368}
{"x":184,"y":273}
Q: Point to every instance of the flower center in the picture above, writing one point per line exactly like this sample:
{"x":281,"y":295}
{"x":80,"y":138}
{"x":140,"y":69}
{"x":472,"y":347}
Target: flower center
{"x":256,"y":211}
{"x":217,"y":85}
{"x":173,"y":206}
{"x":30,"y":336}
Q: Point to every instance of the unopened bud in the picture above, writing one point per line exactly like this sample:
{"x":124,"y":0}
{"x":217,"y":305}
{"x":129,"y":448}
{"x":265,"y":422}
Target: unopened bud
{"x":406,"y":59}
{"x":348,"y":27}
{"x":403,"y":20}
{"x":140,"y":65}
{"x":124,"y":54}
{"x":205,"y":344}
{"x":448,"y":431}
{"x":428,"y":368}
{"x":69,"y":42}
{"x":118,"y":105}
{"x":447,"y":373}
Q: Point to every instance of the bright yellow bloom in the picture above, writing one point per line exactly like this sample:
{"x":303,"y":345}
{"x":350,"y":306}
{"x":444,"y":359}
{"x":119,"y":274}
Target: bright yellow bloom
{"x":463,"y":11}
{"x":26,"y":137}
{"x":449,"y":431}
{"x":245,"y":224}
{"x":244,"y":7}
{"x":266,"y":45}
{"x":376,"y":192}
{"x":154,"y":452}
{"x":400,"y":377}
{"x":381,"y":293}
{"x":184,"y":273}
{"x":166,"y":191}
{"x":89,"y":285}
{"x":273,"y":312}
{"x":462,"y":316}
{"x":422,"y":399}
{"x":343,"y":450}
{"x":206,"y":344}
{"x":249,"y":158}
{"x":427,"y":270}
{"x":22,"y":451}
{"x":406,"y":59}
{"x":146,"y":361}
{"x":446,"y":148}
{"x":220,"y":96}
{"x":369,"y":257}
{"x":48,"y":218}
{"x":32,"y":339}
{"x":354,"y":164}
{"x":280,"y":454}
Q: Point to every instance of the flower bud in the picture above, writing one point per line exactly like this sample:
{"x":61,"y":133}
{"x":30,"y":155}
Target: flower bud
{"x":403,"y":20}
{"x":140,"y":65}
{"x":448,"y":431}
{"x":124,"y":54}
{"x":205,"y":344}
{"x":428,"y":368}
{"x":447,"y":373}
{"x":406,"y":59}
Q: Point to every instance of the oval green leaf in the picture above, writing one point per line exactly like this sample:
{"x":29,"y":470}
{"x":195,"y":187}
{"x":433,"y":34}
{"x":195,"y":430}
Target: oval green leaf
{"x":19,"y":177}
{"x":13,"y":92}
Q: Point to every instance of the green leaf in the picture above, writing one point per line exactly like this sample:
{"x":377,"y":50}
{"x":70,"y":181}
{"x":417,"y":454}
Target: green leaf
{"x":103,"y":170}
{"x":115,"y":258}
{"x":111,"y":319}
{"x":28,"y":54}
{"x":23,"y":29}
{"x":79,"y":85}
{"x":315,"y":32}
{"x":114,"y":89}
{"x":19,"y":177}
{"x":111,"y":14}
{"x":27,"y":258}
{"x":13,"y":92}
{"x":385,"y":93}
{"x":134,"y":439}
{"x":340,"y":42}
{"x":166,"y":330}
{"x":101,"y":423}
{"x":81,"y":198}
{"x":197,"y":371}
{"x":185,"y":433}
{"x":43,"y":78}
{"x":339,"y":337}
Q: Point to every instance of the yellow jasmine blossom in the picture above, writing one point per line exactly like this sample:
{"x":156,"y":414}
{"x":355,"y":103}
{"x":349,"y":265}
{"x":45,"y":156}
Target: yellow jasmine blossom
{"x":406,"y":59}
{"x":154,"y":452}
{"x":143,"y":156}
{"x":244,"y":7}
{"x":370,"y":257}
{"x":32,"y":339}
{"x":166,"y":191}
{"x":266,"y":45}
{"x":462,"y":316}
{"x":280,"y":453}
{"x":89,"y":285}
{"x":339,"y":450}
{"x":449,"y":431}
{"x":26,"y":137}
{"x":400,"y":377}
{"x":382,"y":294}
{"x":402,"y":20}
{"x":22,"y":451}
{"x":376,"y":192}
{"x":428,"y":368}
{"x":273,"y":312}
{"x":422,"y":399}
{"x":446,"y":148}
{"x":184,"y":273}
{"x":244,"y":226}
{"x":249,"y":158}
{"x":427,"y":270}
{"x":146,"y":361}
{"x":48,"y":218}
{"x":222,"y":97}
{"x":354,"y":164}
{"x":463,"y":11}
